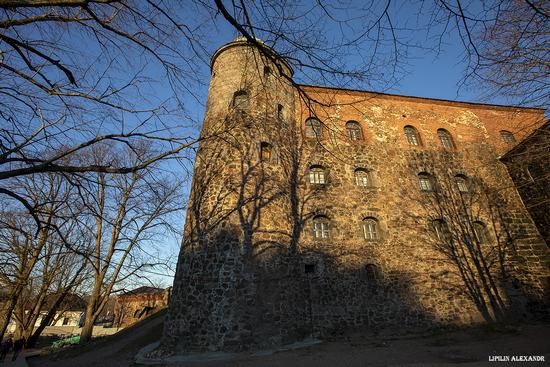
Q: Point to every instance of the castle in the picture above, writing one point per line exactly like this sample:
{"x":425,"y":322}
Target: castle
{"x":317,"y":210}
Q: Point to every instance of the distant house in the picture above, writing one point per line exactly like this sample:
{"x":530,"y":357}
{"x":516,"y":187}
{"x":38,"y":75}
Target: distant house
{"x":68,"y":314}
{"x":137,"y":304}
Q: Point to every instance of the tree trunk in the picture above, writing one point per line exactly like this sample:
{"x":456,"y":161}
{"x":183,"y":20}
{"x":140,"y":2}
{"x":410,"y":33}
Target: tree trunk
{"x":87,"y":329}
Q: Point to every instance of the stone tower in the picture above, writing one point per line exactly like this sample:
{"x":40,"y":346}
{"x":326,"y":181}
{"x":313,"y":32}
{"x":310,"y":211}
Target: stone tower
{"x":317,"y":210}
{"x":240,"y":174}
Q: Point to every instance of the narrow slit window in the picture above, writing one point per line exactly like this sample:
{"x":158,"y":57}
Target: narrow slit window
{"x":265,"y":151}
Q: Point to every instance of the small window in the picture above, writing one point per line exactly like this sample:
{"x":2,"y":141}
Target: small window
{"x":317,"y":175}
{"x":240,"y":99}
{"x":461,"y":183}
{"x":371,"y":272}
{"x":313,"y":128}
{"x":425,"y":181}
{"x":480,"y":231}
{"x":371,"y":230}
{"x":507,"y":136}
{"x":354,"y":131}
{"x":446,"y":139}
{"x":66,"y":321}
{"x":265,"y":152}
{"x":362,"y":177}
{"x":267,"y":72}
{"x":441,"y":229}
{"x":412,"y":135}
{"x":309,"y":268}
{"x":280,"y":112}
{"x":320,"y":227}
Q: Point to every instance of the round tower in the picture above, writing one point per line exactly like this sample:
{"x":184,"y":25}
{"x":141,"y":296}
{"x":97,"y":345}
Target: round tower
{"x":237,"y":205}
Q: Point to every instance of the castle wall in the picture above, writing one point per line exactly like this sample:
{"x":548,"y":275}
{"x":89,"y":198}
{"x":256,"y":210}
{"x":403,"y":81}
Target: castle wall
{"x":251,"y":273}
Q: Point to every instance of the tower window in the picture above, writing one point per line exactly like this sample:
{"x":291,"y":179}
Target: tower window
{"x":317,"y":175}
{"x":320,"y":227}
{"x":371,"y":230}
{"x":265,"y":152}
{"x":446,"y":139}
{"x":267,"y":72}
{"x":280,"y":112}
{"x":412,"y":135}
{"x":507,"y":136}
{"x":425,"y":181}
{"x":240,"y":99}
{"x":441,"y":230}
{"x":362,"y":177}
{"x":461,"y":183}
{"x":354,"y":131}
{"x":313,"y":128}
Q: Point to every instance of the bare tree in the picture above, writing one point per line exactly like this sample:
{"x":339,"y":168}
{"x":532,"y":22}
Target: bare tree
{"x":31,"y":262}
{"x":470,"y":229}
{"x":127,"y":215}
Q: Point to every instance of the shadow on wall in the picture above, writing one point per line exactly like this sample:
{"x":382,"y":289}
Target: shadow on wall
{"x":474,"y":227}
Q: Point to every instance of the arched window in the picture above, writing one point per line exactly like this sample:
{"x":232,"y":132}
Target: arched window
{"x":265,"y":151}
{"x":363,"y":177}
{"x":240,"y":99}
{"x":480,"y":231}
{"x":425,"y":181}
{"x":354,"y":130}
{"x":461,"y":183}
{"x":317,"y":175}
{"x":371,"y":229}
{"x":441,"y":229}
{"x":371,"y":271}
{"x":507,"y":136}
{"x":446,"y":139}
{"x":313,"y":128}
{"x":412,"y":135}
{"x":320,"y":227}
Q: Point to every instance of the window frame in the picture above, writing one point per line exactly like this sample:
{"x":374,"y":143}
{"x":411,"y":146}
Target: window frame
{"x":314,"y":132}
{"x":425,"y":177}
{"x":507,"y":136}
{"x":317,"y":175}
{"x":370,"y":227}
{"x":354,"y":131}
{"x":266,"y":147}
{"x":411,"y":132}
{"x":241,"y":104}
{"x":320,"y":227}
{"x":362,"y":177}
{"x":446,"y":139}
{"x":461,"y":182}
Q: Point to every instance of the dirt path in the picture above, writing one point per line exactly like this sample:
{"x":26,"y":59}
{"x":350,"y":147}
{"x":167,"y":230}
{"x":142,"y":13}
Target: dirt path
{"x":117,"y":350}
{"x":468,"y":347}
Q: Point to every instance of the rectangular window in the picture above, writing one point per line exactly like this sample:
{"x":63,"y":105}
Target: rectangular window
{"x":320,"y":230}
{"x":317,"y":177}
